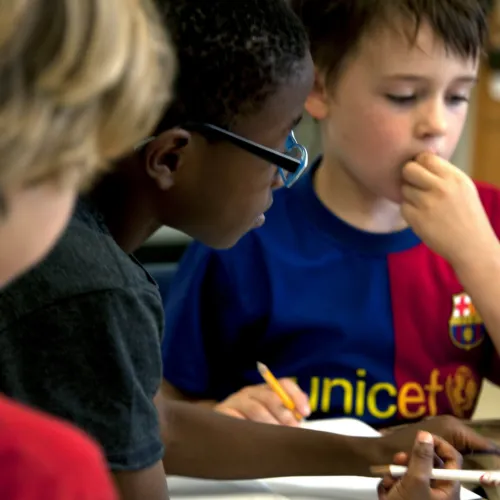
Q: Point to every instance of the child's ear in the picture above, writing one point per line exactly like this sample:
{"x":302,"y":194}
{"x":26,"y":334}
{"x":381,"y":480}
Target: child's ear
{"x":163,"y":156}
{"x":317,"y":102}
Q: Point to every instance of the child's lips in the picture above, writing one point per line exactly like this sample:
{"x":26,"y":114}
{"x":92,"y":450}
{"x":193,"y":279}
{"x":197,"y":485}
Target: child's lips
{"x":432,"y":151}
{"x":259,"y":220}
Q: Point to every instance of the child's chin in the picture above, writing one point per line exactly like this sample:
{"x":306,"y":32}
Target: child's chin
{"x":393,"y":193}
{"x":397,"y":198}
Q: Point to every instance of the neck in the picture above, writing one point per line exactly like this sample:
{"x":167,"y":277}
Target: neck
{"x":126,"y":211}
{"x":353,"y":202}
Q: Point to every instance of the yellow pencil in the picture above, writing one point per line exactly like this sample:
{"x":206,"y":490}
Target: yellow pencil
{"x":275,"y":386}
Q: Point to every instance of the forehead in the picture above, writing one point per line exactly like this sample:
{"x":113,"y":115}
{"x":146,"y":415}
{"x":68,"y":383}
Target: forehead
{"x":281,"y":108}
{"x":388,"y":50}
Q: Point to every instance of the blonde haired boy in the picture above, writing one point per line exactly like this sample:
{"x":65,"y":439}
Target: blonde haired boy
{"x":69,"y":76}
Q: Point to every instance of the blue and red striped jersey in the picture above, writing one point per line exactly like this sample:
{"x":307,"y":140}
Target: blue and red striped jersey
{"x":372,"y":326}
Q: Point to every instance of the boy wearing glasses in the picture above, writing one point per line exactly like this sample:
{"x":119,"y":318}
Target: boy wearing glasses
{"x":90,"y":318}
{"x":338,"y":291}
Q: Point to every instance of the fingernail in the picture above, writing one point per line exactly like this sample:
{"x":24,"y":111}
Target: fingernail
{"x":306,"y":411}
{"x":425,"y":438}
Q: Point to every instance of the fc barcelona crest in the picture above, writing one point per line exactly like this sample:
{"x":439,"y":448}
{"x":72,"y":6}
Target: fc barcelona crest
{"x":465,"y":325}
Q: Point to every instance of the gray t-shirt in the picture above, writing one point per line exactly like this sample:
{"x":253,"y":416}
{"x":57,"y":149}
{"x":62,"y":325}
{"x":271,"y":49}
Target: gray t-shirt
{"x":80,"y":338}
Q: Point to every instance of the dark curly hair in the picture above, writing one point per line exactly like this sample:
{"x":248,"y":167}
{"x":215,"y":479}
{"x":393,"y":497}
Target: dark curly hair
{"x":336,"y":27}
{"x":232,"y":54}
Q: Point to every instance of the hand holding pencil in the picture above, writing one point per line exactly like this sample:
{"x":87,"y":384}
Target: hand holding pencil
{"x":416,"y":483}
{"x":279,"y":402}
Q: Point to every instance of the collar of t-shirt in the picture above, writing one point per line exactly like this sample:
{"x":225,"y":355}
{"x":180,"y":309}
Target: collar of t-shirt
{"x":310,"y":207}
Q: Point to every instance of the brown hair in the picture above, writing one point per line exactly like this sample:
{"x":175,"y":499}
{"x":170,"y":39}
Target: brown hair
{"x":336,"y":27}
{"x":81,"y":82}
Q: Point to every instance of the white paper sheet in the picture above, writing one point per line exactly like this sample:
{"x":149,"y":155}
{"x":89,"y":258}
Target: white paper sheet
{"x":183,"y":488}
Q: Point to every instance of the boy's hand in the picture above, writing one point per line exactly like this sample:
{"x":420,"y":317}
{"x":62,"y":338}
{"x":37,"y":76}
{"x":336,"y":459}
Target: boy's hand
{"x":441,"y":204}
{"x":260,"y":404}
{"x":449,"y":428}
{"x":416,"y":484}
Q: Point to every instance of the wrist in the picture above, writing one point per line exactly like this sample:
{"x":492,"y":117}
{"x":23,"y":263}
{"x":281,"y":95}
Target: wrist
{"x":481,"y":263}
{"x":354,"y":455}
{"x":207,"y":403}
{"x":376,"y":452}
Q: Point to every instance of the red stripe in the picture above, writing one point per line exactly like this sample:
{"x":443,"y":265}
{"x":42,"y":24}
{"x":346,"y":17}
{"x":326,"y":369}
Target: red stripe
{"x":422,"y":287}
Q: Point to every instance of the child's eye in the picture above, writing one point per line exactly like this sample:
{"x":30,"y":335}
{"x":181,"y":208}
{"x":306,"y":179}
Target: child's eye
{"x":401,"y":99}
{"x":458,"y":99}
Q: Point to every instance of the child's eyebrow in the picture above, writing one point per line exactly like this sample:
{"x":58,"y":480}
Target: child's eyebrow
{"x":418,"y":78}
{"x":466,"y":79}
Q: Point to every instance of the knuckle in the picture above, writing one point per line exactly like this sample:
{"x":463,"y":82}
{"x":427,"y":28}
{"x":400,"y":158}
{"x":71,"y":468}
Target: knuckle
{"x":221,"y":408}
{"x":256,"y":412}
{"x":470,"y":184}
{"x":253,"y":411}
{"x":462,"y":179}
{"x":248,"y":390}
{"x":443,"y":189}
{"x":235,"y":401}
{"x":286,"y":417}
{"x":273,"y":403}
{"x":257,"y":392}
{"x":413,"y":169}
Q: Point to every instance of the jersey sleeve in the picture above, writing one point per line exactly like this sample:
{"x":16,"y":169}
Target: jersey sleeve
{"x":92,"y":359}
{"x":210,"y":306}
{"x":42,"y":458}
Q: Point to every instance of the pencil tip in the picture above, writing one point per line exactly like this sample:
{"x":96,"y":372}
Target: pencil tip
{"x":261,"y":367}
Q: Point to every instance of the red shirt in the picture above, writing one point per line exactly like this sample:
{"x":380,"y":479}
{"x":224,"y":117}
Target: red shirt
{"x":42,"y":458}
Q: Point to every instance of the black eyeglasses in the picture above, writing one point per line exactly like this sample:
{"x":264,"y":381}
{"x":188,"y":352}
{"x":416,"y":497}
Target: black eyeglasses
{"x":291,"y":164}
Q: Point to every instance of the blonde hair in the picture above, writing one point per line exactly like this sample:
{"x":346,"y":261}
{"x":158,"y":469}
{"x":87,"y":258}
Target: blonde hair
{"x":81,"y":81}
